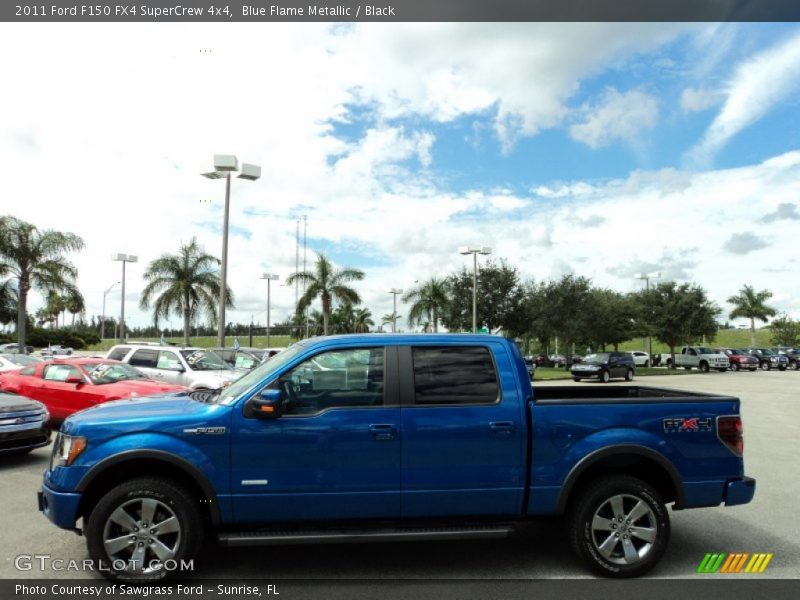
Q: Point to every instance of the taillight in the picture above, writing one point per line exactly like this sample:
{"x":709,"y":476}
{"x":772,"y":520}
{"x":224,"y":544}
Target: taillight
{"x":730,"y":433}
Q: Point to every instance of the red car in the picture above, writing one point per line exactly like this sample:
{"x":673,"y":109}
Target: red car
{"x":739,"y":359}
{"x":66,"y":386}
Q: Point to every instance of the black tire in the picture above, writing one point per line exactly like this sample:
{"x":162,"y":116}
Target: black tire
{"x":793,"y":365}
{"x":605,"y":376}
{"x":765,"y":366}
{"x":629,"y":375}
{"x":735,"y":366}
{"x":703,"y":367}
{"x":626,"y":493}
{"x":170,"y":501}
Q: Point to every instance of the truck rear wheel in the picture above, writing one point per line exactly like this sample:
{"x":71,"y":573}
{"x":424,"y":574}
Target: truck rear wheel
{"x":620,"y":526}
{"x":140,"y":529}
{"x":629,"y":375}
{"x":735,"y":366}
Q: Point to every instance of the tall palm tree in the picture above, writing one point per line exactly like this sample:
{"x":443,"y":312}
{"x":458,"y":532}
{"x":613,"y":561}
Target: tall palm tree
{"x":186,"y":283}
{"x":74,"y":303}
{"x":8,"y":302}
{"x":428,"y":299}
{"x":749,"y":304}
{"x":327,"y":283}
{"x":35,"y":260}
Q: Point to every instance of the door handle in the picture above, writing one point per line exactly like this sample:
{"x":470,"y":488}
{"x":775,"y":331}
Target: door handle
{"x":503,"y":428}
{"x":383,"y":431}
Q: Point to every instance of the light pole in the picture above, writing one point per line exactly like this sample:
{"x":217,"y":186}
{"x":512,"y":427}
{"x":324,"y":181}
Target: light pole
{"x":103,"y":322}
{"x":269,"y":277}
{"x":394,"y":292}
{"x":224,"y":165}
{"x":123,"y":258}
{"x":647,"y":277}
{"x":474,"y":250}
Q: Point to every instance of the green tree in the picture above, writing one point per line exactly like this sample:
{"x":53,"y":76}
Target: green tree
{"x":428,"y":300}
{"x":612,"y":318}
{"x":8,"y":302}
{"x":785,"y":331}
{"x":680,"y":314}
{"x":35,"y":260}
{"x":500,"y":299}
{"x":363,"y":320}
{"x":570,"y":304}
{"x":185,"y":284}
{"x":750,"y":304}
{"x":327,"y":283}
{"x":74,"y":304}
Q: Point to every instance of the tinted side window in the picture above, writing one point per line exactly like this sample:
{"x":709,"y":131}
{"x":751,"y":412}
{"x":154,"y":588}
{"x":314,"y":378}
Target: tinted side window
{"x":60,"y":372}
{"x":454,"y":375}
{"x":339,"y":378}
{"x":144,"y":358}
{"x":118,"y":353}
{"x":28,"y":371}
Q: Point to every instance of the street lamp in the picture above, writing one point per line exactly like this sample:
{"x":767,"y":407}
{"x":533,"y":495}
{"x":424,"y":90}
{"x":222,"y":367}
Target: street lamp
{"x":394,"y":292}
{"x":224,"y":165}
{"x":123,"y":258}
{"x":647,"y":277}
{"x":269,"y":277}
{"x":103,"y":322}
{"x":474,"y":250}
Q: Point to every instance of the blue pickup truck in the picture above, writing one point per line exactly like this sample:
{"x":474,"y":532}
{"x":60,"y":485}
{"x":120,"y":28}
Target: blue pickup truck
{"x":389,"y":438}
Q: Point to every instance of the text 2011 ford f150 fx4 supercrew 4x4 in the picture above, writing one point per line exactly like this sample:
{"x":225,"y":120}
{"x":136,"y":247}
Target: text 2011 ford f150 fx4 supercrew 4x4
{"x":388,"y":438}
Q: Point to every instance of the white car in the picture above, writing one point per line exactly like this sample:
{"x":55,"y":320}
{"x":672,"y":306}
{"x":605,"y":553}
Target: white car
{"x":12,"y":362}
{"x":59,"y":350}
{"x":640,"y":359}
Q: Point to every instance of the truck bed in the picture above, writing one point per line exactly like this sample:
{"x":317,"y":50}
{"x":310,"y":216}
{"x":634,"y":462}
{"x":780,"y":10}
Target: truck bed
{"x":605,"y":394}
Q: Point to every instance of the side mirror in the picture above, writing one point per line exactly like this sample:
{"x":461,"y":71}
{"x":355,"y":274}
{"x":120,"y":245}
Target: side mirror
{"x":266,"y":405}
{"x":74,"y":379}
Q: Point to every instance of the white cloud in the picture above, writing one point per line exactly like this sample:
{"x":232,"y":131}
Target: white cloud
{"x":616,"y":117}
{"x":758,"y":84}
{"x":698,"y":99}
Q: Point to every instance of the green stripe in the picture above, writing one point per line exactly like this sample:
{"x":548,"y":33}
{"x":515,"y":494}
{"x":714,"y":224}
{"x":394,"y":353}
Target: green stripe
{"x":711,"y":563}
{"x":702,"y":567}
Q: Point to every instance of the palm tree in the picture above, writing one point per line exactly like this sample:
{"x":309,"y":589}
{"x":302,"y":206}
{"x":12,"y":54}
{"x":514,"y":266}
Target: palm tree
{"x":8,"y":302}
{"x":429,"y":300}
{"x":35,"y":260}
{"x":187,"y":284}
{"x":363,"y":320}
{"x":329,"y":284}
{"x":74,"y":304}
{"x":749,"y":304}
{"x":389,"y":319}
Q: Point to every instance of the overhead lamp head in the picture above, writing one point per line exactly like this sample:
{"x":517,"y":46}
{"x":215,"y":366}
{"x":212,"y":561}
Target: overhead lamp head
{"x":485,"y":250}
{"x":269,"y":276}
{"x":251,"y":172}
{"x":225,"y":162}
{"x":124,"y":257}
{"x":214,"y":175}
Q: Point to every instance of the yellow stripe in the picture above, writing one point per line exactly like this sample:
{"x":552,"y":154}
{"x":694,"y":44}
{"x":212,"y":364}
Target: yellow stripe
{"x":757,"y":563}
{"x":765,"y":563}
{"x":751,"y":563}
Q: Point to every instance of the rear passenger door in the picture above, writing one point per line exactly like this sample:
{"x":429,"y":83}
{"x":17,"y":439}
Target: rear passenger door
{"x":463,"y":450}
{"x":145,"y":359}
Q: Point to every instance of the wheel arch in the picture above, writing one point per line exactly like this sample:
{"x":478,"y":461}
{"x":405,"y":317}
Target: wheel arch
{"x":634,"y":460}
{"x":142,"y":463}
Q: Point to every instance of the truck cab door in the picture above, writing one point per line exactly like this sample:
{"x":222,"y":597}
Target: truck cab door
{"x":464,"y":431}
{"x":333,"y":454}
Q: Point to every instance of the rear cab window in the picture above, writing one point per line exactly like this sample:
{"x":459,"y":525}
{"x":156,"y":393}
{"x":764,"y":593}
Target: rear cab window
{"x":454,"y":375}
{"x":144,"y":358}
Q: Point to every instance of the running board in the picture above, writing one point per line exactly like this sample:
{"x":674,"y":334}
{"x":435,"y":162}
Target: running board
{"x":258,"y":538}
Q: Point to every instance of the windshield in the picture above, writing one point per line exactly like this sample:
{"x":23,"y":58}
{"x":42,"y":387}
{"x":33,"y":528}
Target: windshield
{"x":766,"y":352}
{"x":261,"y":372}
{"x":102,"y":373}
{"x":204,"y":360}
{"x":597,"y":359}
{"x":21,"y":359}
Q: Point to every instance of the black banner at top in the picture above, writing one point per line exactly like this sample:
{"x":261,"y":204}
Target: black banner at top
{"x":187,"y":11}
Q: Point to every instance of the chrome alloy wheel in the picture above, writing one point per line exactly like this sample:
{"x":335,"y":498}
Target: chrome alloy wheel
{"x":624,"y":529}
{"x":142,"y":533}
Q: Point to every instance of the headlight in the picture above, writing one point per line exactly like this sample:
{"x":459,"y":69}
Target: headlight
{"x":66,"y":449}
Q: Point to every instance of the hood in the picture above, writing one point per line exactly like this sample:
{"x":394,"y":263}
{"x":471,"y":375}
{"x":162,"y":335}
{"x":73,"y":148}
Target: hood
{"x":12,"y":403}
{"x":154,"y":413}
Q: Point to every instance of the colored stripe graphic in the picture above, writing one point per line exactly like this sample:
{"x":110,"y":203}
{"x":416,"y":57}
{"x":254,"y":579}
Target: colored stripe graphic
{"x":721,"y":562}
{"x":711,"y":563}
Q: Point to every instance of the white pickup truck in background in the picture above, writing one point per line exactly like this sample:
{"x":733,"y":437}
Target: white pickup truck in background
{"x":697,"y":357}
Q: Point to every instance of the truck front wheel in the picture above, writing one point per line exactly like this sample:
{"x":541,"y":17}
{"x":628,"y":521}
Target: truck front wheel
{"x":605,"y":376}
{"x":143,"y":529}
{"x":620,"y":526}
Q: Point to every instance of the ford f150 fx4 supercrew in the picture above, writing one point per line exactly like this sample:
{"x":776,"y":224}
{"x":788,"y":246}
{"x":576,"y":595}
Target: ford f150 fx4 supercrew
{"x":388,"y":438}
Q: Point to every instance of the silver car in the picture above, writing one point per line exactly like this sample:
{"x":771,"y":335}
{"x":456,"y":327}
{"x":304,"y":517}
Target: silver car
{"x":195,"y":368}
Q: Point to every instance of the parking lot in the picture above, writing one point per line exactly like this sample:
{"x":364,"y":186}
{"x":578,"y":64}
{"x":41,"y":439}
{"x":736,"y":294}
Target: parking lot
{"x":771,"y":413}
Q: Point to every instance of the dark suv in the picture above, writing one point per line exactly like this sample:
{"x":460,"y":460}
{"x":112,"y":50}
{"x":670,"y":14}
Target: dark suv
{"x":793,"y":354}
{"x":23,"y":424}
{"x":604,"y":366}
{"x":767,"y":359}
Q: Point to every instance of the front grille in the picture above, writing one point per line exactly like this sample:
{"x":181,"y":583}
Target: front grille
{"x":12,"y":421}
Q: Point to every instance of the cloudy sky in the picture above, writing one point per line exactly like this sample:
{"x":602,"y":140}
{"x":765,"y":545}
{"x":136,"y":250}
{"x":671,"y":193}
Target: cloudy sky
{"x":600,"y":149}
